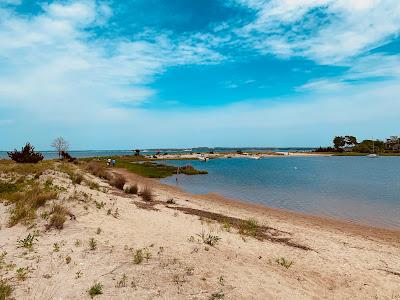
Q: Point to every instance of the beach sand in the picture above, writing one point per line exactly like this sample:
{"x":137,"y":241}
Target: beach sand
{"x":330,"y":259}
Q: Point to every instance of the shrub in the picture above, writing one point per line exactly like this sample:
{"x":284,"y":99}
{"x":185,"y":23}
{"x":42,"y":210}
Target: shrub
{"x":249,"y":227}
{"x":58,"y":217}
{"x":284,"y":262}
{"x":26,"y":155}
{"x":6,"y":187}
{"x":131,"y":189}
{"x":77,"y":178}
{"x":147,"y":194}
{"x":27,"y":242}
{"x":96,"y":289}
{"x":66,"y":156}
{"x":98,"y":170}
{"x":5,"y":290}
{"x":209,"y":238}
{"x":118,"y":182}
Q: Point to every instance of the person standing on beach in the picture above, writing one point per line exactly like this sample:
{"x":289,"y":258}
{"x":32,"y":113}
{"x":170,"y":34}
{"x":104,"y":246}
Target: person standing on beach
{"x":109,"y":162}
{"x":113,"y":163}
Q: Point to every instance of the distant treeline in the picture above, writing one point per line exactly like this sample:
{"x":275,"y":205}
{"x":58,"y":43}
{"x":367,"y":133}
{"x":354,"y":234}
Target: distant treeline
{"x":349,"y":143}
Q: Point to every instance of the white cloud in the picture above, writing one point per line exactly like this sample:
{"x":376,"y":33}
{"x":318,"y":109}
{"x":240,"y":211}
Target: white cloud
{"x":327,"y":31}
{"x":52,"y":67}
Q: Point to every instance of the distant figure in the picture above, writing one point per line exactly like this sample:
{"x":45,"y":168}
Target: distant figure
{"x":113,"y":163}
{"x":109,"y":162}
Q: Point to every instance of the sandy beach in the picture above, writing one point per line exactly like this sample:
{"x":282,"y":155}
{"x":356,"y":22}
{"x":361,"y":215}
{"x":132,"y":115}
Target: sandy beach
{"x":159,"y":249}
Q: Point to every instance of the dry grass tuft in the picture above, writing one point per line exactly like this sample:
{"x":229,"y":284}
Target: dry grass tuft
{"x":118,"y":181}
{"x":131,"y":189}
{"x":147,"y":194}
{"x":97,"y":169}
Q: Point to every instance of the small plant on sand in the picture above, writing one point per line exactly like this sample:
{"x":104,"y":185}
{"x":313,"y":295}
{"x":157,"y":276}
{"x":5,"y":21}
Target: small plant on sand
{"x":76,"y":178}
{"x":92,"y":244}
{"x":5,"y":290}
{"x":96,"y":289}
{"x":78,"y":243}
{"x":27,"y":242}
{"x":171,"y":201}
{"x":147,"y":194}
{"x":78,"y":274}
{"x":22,"y":273}
{"x":92,"y":185}
{"x":56,"y":247}
{"x":99,"y":170}
{"x":217,"y":295}
{"x":58,"y":217}
{"x":68,"y":260}
{"x":99,"y":205}
{"x":284,"y":262}
{"x":209,"y":238}
{"x":249,"y":227}
{"x":118,"y":182}
{"x":138,"y":257}
{"x":122,"y":282}
{"x":98,"y":230}
{"x":131,"y":189}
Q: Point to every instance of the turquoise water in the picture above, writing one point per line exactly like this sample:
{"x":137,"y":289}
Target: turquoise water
{"x":360,"y":189}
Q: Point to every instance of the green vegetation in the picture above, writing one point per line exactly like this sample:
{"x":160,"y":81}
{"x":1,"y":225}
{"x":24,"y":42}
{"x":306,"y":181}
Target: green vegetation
{"x":27,"y":242}
{"x":5,"y":290}
{"x":96,"y":289}
{"x":348,"y":146}
{"x":249,"y":227}
{"x":284,"y":262}
{"x":208,"y":238}
{"x":138,"y":165}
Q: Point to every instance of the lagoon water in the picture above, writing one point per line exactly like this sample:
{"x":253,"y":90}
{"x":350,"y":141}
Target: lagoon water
{"x":360,"y":189}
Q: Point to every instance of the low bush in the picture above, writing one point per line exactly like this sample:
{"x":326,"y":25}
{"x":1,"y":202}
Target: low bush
{"x":96,"y":289}
{"x":147,"y":194}
{"x":26,"y":155}
{"x":97,"y":169}
{"x":5,"y":290}
{"x":131,"y":189}
{"x":118,"y":181}
{"x":58,"y":217}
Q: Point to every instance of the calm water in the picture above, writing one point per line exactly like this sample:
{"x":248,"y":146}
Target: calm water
{"x":360,"y":189}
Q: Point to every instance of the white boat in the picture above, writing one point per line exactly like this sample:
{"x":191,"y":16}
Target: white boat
{"x":373,"y":154}
{"x":255,"y":157}
{"x":187,"y":150}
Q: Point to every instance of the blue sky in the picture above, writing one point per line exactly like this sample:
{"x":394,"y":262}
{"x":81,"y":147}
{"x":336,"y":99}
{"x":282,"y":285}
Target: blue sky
{"x":158,"y":73}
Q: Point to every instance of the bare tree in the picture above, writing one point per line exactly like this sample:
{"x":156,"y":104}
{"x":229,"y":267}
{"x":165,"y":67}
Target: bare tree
{"x":60,"y":144}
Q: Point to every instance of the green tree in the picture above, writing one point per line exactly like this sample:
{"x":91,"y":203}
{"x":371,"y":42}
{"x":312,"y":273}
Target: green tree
{"x":339,"y":142}
{"x":350,"y":140}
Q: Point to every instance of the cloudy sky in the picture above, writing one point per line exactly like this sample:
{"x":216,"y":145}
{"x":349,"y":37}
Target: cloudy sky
{"x":160,"y":73}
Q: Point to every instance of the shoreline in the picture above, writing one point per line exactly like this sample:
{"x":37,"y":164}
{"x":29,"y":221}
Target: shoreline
{"x":285,"y":215}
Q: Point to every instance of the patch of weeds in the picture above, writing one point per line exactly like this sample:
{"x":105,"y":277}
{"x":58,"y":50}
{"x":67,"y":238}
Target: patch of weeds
{"x":48,"y":184}
{"x":191,"y":239}
{"x":98,"y":230}
{"x":178,"y":279}
{"x":221,"y":280}
{"x":171,"y":201}
{"x":78,"y":274}
{"x":209,"y":238}
{"x":122,"y":282}
{"x":92,"y":244}
{"x":45,"y":215}
{"x":226,"y":226}
{"x":99,"y":205}
{"x":56,"y":247}
{"x":249,"y":227}
{"x":6,"y":187}
{"x":217,"y":295}
{"x":284,"y":262}
{"x":131,"y":189}
{"x":78,"y":243}
{"x":118,"y":182}
{"x":22,"y":273}
{"x":76,"y":178}
{"x":109,"y":211}
{"x":58,"y":217}
{"x":5,"y":290}
{"x":68,"y":260}
{"x":93,"y":185}
{"x":96,"y":289}
{"x":141,"y":255}
{"x":147,"y":194}
{"x":115,"y":214}
{"x":27,"y":242}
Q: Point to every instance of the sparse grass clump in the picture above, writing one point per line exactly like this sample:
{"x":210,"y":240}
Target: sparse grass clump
{"x":284,"y":262}
{"x":6,"y":187}
{"x":131,"y":189}
{"x":96,"y":289}
{"x":118,"y":181}
{"x":22,"y":273}
{"x":92,"y":244}
{"x":27,"y":242}
{"x":209,"y":238}
{"x":171,"y":201}
{"x":249,"y":227}
{"x":5,"y":290}
{"x":27,"y":202}
{"x":147,"y":194}
{"x":99,"y":170}
{"x":58,"y":217}
{"x":140,"y":255}
{"x":76,"y":178}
